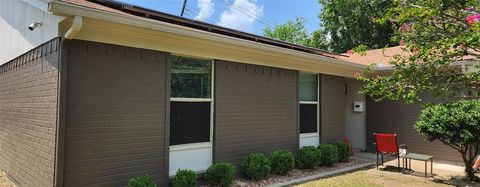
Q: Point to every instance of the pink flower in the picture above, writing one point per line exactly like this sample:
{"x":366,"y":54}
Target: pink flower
{"x":401,"y":43}
{"x":473,"y":19}
{"x":405,"y":27}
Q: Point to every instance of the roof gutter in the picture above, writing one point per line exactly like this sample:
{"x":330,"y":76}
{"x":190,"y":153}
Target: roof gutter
{"x":64,"y":8}
{"x":75,"y":28}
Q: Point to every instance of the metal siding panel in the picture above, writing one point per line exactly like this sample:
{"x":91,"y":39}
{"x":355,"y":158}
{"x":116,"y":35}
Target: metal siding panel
{"x":255,"y":105}
{"x":355,"y":122}
{"x":117,"y":106}
{"x":16,"y":37}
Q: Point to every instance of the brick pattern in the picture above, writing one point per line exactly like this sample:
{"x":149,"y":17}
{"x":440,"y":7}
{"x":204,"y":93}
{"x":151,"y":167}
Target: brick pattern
{"x":398,"y":118}
{"x":256,"y":110}
{"x":28,"y":115}
{"x":332,"y":101}
{"x":117,"y":103}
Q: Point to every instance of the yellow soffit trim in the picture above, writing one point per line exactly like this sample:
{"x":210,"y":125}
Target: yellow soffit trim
{"x":117,"y":29}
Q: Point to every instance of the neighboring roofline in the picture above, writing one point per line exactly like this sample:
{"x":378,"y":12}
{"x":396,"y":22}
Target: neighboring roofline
{"x":458,"y":63}
{"x":65,"y":8}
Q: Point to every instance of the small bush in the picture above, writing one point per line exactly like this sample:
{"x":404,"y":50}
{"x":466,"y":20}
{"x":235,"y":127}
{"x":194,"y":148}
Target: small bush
{"x":282,"y":162}
{"x":328,"y":154}
{"x":343,"y":150}
{"x":185,"y":178}
{"x":255,"y":166}
{"x":220,"y":174}
{"x":308,"y":157}
{"x":142,"y":181}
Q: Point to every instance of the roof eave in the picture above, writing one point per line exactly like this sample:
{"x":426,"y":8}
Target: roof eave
{"x":67,"y":9}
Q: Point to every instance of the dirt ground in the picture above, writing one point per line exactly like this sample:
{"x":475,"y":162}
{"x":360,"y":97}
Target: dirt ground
{"x":443,"y":175}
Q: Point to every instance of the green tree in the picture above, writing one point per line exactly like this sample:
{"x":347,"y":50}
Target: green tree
{"x":351,"y":23}
{"x":295,"y":32}
{"x":456,"y":124}
{"x":437,"y":34}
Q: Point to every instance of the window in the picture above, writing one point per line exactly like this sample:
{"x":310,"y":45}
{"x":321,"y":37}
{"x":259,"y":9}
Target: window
{"x":189,"y":122}
{"x":191,"y":78}
{"x":191,"y":100}
{"x":308,"y":85}
{"x":308,"y":118}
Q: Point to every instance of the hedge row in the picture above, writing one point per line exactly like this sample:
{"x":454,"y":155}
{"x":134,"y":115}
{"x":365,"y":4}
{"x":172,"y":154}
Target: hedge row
{"x":258,"y":166}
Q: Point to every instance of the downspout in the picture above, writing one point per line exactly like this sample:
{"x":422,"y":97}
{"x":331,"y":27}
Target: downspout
{"x":75,"y":28}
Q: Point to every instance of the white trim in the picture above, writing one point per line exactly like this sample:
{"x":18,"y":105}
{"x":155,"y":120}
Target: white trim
{"x":212,"y":102}
{"x":309,"y":102}
{"x":191,"y":146}
{"x":181,"y":99}
{"x":308,"y":135}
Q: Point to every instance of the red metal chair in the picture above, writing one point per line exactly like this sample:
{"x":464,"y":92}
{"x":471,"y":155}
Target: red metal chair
{"x":386,"y":144}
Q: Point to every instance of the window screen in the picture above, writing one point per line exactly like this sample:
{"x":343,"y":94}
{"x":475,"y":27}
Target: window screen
{"x":191,"y":78}
{"x":308,"y":118}
{"x":189,"y":122}
{"x":308,"y":87}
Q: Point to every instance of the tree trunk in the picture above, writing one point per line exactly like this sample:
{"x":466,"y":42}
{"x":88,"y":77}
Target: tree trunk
{"x":468,"y":166}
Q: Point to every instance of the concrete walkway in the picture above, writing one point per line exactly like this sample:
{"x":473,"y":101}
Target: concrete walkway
{"x":440,"y":168}
{"x":438,"y":165}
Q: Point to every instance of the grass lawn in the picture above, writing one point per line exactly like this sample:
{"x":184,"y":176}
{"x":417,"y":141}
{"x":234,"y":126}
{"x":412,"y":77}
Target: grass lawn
{"x":373,"y":178}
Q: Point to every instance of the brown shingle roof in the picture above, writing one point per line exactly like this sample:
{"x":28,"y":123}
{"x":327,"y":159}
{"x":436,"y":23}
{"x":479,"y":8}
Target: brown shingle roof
{"x":382,"y":57}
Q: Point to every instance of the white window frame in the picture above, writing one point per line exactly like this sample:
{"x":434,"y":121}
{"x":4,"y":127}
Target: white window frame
{"x":194,"y":148}
{"x":311,"y":134}
{"x":311,"y":138}
{"x":212,"y":104}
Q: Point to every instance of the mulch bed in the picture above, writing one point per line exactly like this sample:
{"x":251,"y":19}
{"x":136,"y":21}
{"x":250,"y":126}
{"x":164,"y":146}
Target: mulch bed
{"x":295,"y":174}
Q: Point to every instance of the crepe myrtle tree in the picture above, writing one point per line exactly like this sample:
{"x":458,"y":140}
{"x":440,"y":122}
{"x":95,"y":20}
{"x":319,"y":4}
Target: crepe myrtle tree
{"x":435,"y":34}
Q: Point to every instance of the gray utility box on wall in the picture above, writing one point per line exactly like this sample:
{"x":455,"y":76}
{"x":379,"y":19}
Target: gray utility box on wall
{"x":358,"y":106}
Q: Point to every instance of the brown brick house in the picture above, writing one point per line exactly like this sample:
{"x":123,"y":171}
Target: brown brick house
{"x":102,"y":92}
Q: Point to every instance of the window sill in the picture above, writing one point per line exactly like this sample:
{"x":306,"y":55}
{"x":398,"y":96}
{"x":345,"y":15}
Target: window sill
{"x":191,"y":146}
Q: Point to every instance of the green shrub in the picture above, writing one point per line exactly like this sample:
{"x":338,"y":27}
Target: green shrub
{"x":220,"y":174}
{"x":185,"y":178}
{"x":282,"y":162}
{"x":328,"y":154}
{"x":255,"y":166}
{"x":455,"y":124}
{"x":343,"y":150}
{"x":142,"y":181}
{"x":308,"y":157}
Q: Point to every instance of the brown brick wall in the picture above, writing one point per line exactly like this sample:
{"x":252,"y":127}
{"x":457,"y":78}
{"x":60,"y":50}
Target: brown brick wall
{"x":398,"y":118}
{"x":117,"y":108}
{"x":256,"y":110}
{"x":28,"y":115}
{"x":332,"y":99}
